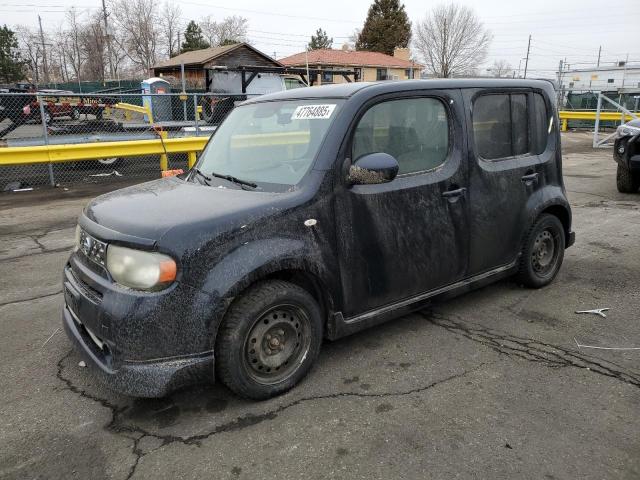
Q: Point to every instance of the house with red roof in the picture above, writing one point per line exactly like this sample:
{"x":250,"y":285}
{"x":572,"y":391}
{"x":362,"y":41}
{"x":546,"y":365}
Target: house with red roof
{"x":369,"y":66}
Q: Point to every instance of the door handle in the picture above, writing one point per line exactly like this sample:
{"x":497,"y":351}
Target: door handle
{"x":458,"y":192}
{"x":530,"y":178}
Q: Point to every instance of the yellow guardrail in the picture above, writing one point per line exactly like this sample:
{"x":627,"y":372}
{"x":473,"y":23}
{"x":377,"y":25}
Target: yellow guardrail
{"x":95,"y":151}
{"x":566,"y":115}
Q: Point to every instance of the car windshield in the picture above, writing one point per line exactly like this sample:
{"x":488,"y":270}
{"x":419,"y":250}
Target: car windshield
{"x":272,"y":144}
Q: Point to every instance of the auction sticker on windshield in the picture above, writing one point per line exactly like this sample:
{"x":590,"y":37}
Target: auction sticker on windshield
{"x":310,"y":112}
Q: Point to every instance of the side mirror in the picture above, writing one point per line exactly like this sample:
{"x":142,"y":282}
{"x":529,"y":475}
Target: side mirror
{"x":373,"y":168}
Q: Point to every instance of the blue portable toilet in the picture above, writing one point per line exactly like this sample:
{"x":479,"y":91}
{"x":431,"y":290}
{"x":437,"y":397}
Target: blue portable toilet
{"x":160,"y":106}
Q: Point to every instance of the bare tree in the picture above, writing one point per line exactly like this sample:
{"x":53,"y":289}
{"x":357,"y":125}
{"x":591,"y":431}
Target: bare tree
{"x":58,"y":53}
{"x":230,"y":30}
{"x":501,"y":68}
{"x":93,"y":46}
{"x":137,"y":33}
{"x":30,"y":50}
{"x":451,"y":40}
{"x":75,"y":55}
{"x":209,"y":29}
{"x":171,"y":19}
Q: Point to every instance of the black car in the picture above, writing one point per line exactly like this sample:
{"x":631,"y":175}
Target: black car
{"x":626,"y":152}
{"x":314,"y":213}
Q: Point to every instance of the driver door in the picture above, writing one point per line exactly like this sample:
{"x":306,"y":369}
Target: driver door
{"x":406,"y":237}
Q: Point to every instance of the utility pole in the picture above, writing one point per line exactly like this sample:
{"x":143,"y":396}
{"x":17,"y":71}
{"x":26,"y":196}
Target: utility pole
{"x":44,"y":53}
{"x":599,"y":52}
{"x":526,"y":62}
{"x":108,"y":37}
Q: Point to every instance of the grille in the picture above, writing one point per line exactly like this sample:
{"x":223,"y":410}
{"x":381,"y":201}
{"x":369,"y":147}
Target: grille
{"x":91,"y":293}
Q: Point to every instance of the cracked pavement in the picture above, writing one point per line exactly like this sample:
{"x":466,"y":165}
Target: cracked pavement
{"x":487,"y":385}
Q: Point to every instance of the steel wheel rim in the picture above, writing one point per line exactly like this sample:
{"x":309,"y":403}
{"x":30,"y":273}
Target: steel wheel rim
{"x":544,"y":253}
{"x":277,"y":344}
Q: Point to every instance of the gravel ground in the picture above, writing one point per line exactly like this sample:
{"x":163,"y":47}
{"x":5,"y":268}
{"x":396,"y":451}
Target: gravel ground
{"x":488,"y":385}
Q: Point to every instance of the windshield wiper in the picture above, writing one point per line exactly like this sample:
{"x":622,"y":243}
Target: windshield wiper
{"x":206,"y":178}
{"x":233,"y":179}
{"x":229,"y":178}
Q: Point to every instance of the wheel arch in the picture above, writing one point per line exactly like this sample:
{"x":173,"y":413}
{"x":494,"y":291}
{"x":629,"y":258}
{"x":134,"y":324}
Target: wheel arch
{"x":290,"y":260}
{"x":563,"y":214}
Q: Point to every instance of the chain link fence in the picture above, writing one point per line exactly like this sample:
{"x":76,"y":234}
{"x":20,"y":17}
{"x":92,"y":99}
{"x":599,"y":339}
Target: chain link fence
{"x":29,"y":119}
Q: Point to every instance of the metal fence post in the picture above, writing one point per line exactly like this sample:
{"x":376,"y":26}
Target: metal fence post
{"x":45,"y":135}
{"x":196,"y":116}
{"x":597,"y":126}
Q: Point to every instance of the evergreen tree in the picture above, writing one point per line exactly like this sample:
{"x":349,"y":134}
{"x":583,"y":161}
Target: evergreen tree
{"x":320,"y":40}
{"x":387,"y":26}
{"x":10,"y":62}
{"x":193,"y":38}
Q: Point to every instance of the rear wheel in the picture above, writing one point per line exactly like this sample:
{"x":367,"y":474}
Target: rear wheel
{"x":269,"y":340}
{"x":542,"y":253}
{"x":626,"y":181}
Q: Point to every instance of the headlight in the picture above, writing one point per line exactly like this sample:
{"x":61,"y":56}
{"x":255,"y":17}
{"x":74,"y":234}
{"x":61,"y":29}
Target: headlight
{"x":138,"y":269}
{"x":626,"y":130}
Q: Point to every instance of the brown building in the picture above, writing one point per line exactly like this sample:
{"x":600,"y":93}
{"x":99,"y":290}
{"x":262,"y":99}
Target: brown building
{"x":369,"y":66}
{"x":198,"y":61}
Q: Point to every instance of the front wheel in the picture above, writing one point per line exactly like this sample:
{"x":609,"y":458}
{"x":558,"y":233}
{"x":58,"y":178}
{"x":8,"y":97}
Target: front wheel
{"x":542,"y":253}
{"x":268,"y":340}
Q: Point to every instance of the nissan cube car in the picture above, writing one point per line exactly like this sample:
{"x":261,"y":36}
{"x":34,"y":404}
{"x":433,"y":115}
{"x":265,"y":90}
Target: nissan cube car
{"x":312,"y":214}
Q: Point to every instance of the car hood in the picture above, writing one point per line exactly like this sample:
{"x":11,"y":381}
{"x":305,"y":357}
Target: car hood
{"x":151,"y":210}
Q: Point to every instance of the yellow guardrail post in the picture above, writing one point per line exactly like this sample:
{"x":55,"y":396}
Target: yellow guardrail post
{"x":191,"y":159}
{"x":565,"y":124}
{"x":164,"y":160}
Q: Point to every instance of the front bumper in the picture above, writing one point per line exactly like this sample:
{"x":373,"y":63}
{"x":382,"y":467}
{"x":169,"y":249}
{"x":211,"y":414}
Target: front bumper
{"x":140,"y":344}
{"x":150,"y":379}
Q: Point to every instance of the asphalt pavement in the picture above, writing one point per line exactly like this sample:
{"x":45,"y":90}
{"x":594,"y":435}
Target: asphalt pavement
{"x":488,"y":385}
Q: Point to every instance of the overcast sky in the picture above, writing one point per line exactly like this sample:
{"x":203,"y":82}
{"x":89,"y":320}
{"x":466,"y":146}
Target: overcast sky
{"x":572,"y":28}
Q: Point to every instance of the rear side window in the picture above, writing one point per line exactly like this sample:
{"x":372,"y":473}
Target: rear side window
{"x":507,"y":125}
{"x":541,"y":121}
{"x":415,"y":131}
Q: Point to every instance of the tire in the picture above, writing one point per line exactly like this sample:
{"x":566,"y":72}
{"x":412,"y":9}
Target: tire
{"x":542,"y":253}
{"x":254,"y":350}
{"x":109,"y":162}
{"x":626,"y":181}
{"x":48,"y":118}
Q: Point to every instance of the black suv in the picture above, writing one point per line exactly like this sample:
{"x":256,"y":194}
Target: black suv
{"x":626,"y":152}
{"x":314,"y":213}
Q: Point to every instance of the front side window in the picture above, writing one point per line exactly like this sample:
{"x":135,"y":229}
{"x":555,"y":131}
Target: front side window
{"x":415,"y":131}
{"x":272,"y":144}
{"x":492,"y":126}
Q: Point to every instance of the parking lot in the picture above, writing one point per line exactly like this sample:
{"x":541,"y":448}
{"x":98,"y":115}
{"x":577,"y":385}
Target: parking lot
{"x":489,"y":385}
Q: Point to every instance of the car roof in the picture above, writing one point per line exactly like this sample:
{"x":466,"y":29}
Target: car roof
{"x":345,"y":90}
